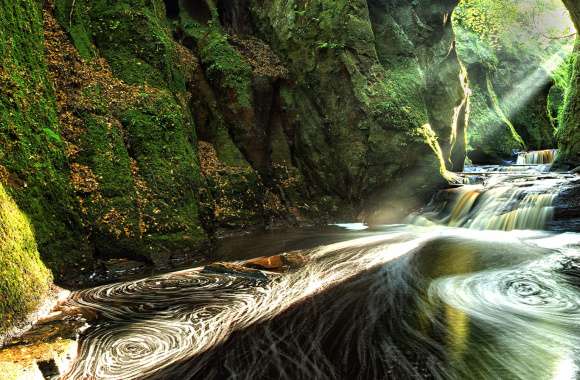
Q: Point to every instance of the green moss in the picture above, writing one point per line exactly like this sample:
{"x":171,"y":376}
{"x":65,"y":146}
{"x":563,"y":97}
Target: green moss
{"x":145,"y":200}
{"x":395,"y":96}
{"x":491,"y":135}
{"x":555,"y":105}
{"x":501,"y":46}
{"x":160,"y":144}
{"x":141,"y":150}
{"x":227,"y":151}
{"x":103,"y":150}
{"x":111,"y":207}
{"x":357,"y":103}
{"x":223,"y":64}
{"x":498,"y":110}
{"x":555,"y":101}
{"x":30,"y":146}
{"x":236,"y":198}
{"x":77,"y":25}
{"x":131,"y":34}
{"x":24,"y":280}
{"x":568,"y":133}
{"x":535,"y":125}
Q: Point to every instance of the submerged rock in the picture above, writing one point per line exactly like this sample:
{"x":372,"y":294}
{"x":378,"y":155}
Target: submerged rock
{"x":46,"y":351}
{"x":235,"y":270}
{"x":278,"y":263}
{"x":261,"y":267}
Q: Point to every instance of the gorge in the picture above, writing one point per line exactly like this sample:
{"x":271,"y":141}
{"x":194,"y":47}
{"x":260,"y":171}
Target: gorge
{"x":289,"y":189}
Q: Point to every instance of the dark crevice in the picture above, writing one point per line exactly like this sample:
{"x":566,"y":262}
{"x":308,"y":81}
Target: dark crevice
{"x":197,"y":10}
{"x":235,"y":16}
{"x":172,"y":9}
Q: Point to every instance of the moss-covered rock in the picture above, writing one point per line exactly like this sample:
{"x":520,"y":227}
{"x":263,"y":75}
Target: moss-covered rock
{"x":342,"y":116}
{"x":557,"y":93}
{"x":308,"y":109}
{"x":132,"y":131}
{"x":491,"y":135}
{"x":568,"y":132}
{"x":24,"y":280}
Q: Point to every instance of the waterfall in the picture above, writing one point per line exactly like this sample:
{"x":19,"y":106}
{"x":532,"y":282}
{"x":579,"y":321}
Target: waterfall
{"x":538,"y":157}
{"x":516,"y":199}
{"x":502,"y":208}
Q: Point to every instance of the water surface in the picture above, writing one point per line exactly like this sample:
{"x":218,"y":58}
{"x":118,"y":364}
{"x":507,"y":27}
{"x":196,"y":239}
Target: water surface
{"x":452,"y":298}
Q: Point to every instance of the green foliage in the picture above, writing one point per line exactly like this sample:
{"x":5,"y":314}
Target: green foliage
{"x":568,"y":132}
{"x":51,"y":134}
{"x":499,"y":21}
{"x":489,"y":19}
{"x":506,"y":41}
{"x":556,"y":96}
{"x":329,"y":45}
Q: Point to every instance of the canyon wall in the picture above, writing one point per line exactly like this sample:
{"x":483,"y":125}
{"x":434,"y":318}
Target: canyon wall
{"x":568,"y":133}
{"x":145,"y":129}
{"x":508,"y":61}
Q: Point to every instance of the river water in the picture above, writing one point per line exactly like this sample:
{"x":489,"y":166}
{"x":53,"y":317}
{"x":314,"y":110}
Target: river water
{"x":472,"y":287}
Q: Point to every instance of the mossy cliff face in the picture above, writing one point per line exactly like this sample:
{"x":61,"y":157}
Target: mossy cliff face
{"x":33,"y":165}
{"x":568,"y":133}
{"x":133,"y":136}
{"x":363,"y":82}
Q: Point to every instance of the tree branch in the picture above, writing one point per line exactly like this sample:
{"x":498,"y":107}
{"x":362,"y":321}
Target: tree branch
{"x":559,"y":37}
{"x":70,"y":16}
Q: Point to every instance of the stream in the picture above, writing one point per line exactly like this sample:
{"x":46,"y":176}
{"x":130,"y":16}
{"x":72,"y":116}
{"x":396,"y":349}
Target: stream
{"x":474,"y":286}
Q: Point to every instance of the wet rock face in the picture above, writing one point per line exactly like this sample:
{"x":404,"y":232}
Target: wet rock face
{"x":516,"y":99}
{"x":567,"y":208}
{"x":322,"y":105}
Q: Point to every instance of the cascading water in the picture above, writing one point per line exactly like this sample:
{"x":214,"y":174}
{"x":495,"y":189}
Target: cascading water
{"x":506,"y":198}
{"x":538,"y":157}
{"x":501,"y":205}
{"x":404,"y":301}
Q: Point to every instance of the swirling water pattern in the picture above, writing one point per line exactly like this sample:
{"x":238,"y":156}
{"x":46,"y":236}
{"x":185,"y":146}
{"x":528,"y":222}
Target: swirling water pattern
{"x":409,"y":302}
{"x":152,"y":323}
{"x":405,"y":302}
